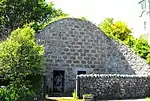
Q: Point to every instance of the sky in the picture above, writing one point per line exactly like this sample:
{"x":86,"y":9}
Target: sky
{"x":97,"y":10}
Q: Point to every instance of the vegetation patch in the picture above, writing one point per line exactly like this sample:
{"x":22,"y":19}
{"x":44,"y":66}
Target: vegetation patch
{"x":120,"y":32}
{"x":20,"y":59}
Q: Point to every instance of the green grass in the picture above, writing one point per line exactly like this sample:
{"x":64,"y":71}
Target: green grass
{"x":63,"y":99}
{"x":147,"y":99}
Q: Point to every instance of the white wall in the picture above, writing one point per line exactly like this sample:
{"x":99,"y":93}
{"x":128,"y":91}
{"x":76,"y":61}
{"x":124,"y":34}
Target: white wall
{"x":145,"y":18}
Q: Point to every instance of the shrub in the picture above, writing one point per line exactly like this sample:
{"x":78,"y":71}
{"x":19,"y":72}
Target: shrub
{"x":6,"y":94}
{"x":74,"y":94}
{"x":142,"y":48}
{"x":117,"y":30}
{"x":120,"y":32}
{"x":21,"y":57}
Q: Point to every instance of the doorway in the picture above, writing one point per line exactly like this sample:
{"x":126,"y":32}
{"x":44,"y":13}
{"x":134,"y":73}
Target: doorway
{"x":58,"y":81}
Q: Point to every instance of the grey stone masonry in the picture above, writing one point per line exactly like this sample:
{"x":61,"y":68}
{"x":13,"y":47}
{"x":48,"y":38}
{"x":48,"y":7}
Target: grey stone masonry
{"x":107,"y":86}
{"x":73,"y":45}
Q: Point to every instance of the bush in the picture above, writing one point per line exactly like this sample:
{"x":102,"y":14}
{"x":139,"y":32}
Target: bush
{"x":120,"y":32}
{"x":21,"y":57}
{"x":117,"y":30}
{"x":6,"y":94}
{"x":74,"y":94}
{"x":142,"y":48}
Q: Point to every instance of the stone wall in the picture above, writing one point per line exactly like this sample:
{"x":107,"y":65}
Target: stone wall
{"x":113,"y":86}
{"x":73,"y":45}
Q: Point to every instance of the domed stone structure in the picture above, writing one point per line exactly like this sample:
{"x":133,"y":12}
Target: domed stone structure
{"x":75,"y":46}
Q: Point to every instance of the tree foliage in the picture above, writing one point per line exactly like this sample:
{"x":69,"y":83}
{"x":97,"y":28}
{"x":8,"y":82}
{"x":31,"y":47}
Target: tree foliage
{"x":142,"y":48}
{"x":20,"y":57}
{"x":39,"y":26}
{"x":16,"y":13}
{"x":118,"y":30}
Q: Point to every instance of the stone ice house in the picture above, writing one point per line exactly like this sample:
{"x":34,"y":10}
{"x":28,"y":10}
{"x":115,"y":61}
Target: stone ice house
{"x":75,"y":46}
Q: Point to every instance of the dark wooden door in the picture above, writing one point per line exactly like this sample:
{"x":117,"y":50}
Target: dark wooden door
{"x":58,"y":81}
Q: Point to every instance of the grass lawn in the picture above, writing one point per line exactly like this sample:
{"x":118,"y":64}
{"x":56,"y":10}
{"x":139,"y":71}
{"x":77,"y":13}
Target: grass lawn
{"x":63,"y":99}
{"x":71,"y":99}
{"x":147,"y":99}
{"x":66,"y":100}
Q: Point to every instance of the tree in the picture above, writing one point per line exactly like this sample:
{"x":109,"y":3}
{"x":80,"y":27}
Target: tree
{"x":118,"y":30}
{"x":20,"y":58}
{"x":16,"y":13}
{"x":39,"y":26}
{"x":142,"y":48}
